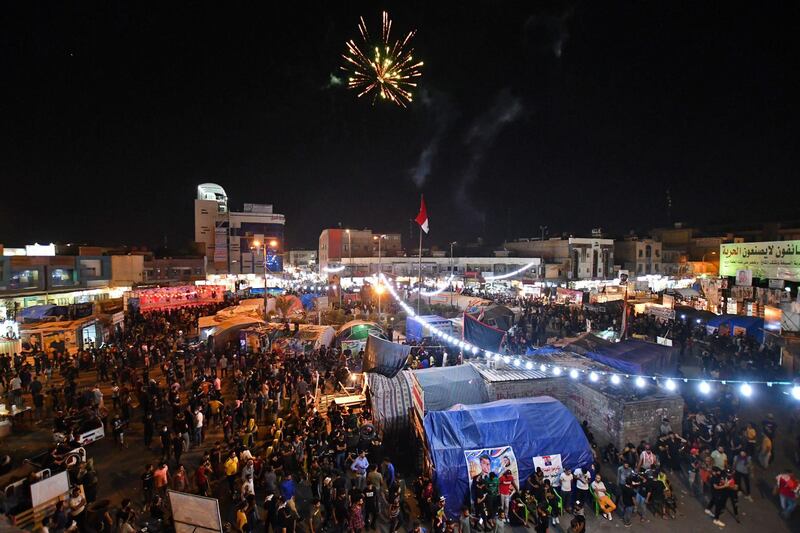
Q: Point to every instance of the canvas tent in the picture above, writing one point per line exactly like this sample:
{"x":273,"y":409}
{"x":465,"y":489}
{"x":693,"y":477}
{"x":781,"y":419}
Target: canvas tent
{"x":499,"y":316}
{"x":391,"y":402}
{"x":510,"y":434}
{"x":444,"y":387}
{"x":632,"y":356}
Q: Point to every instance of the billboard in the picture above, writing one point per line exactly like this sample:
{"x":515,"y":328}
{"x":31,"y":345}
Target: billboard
{"x":771,"y":259}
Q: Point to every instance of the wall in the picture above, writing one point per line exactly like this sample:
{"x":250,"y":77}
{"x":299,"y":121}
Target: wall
{"x":611,"y":419}
{"x":126,"y":270}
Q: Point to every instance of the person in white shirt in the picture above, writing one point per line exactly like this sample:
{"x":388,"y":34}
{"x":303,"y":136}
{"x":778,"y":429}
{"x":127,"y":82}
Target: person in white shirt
{"x":565,"y":485}
{"x":647,"y":459}
{"x":582,"y":485}
{"x":198,"y":427}
{"x":600,"y":492}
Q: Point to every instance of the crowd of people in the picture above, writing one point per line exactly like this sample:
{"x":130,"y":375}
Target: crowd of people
{"x":248,"y":428}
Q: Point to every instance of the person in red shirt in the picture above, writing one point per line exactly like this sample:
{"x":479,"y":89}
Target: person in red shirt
{"x":506,"y":487}
{"x":787,"y":488}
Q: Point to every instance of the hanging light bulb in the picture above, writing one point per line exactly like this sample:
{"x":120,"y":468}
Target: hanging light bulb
{"x":704,"y":387}
{"x":593,"y":376}
{"x":746,"y":390}
{"x":615,"y":379}
{"x":557,"y":371}
{"x":573,"y":374}
{"x":670,"y":385}
{"x":640,"y":382}
{"x":796,"y":392}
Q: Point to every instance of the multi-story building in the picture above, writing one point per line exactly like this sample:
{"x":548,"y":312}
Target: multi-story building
{"x":443,"y":266}
{"x":578,"y":257}
{"x":638,"y":256}
{"x":28,"y":278}
{"x":336,"y":244}
{"x":236,"y":241}
{"x":172,"y":270}
{"x":302,"y":258}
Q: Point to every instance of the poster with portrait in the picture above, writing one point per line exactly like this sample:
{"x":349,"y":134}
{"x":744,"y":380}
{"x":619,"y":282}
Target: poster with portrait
{"x":486,"y":460}
{"x":550,"y":465}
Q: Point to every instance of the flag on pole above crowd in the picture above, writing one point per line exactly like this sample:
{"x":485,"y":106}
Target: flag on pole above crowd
{"x":422,"y":217}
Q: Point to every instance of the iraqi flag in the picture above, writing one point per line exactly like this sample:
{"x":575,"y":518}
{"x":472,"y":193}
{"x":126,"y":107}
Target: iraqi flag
{"x":422,"y":217}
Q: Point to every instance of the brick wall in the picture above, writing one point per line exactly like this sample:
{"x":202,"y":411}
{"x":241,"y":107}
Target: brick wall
{"x":611,"y":418}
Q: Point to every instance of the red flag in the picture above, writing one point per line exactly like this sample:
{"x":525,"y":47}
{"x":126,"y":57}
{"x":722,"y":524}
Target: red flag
{"x":422,"y":217}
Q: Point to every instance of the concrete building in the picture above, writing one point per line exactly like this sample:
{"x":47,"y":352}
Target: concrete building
{"x":228,"y":237}
{"x":442,"y":267}
{"x":639,"y":256}
{"x":174,"y":270}
{"x":336,"y":244}
{"x":579,"y":258}
{"x":302,"y":258}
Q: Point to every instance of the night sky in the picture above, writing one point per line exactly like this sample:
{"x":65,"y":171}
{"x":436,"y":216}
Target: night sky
{"x":572,"y":115}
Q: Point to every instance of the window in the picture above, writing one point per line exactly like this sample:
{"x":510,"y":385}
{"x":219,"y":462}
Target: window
{"x":639,"y":268}
{"x":655,"y":267}
{"x":658,"y":252}
{"x":648,"y":251}
{"x":647,"y":268}
{"x":641,"y":253}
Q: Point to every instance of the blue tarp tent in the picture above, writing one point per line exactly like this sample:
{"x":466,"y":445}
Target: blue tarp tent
{"x":753,"y":325}
{"x":518,"y":429}
{"x":445,"y":387}
{"x":543,"y":351}
{"x":634,"y":357}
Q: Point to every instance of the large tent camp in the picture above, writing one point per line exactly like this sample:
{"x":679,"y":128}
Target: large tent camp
{"x":444,"y":387}
{"x":518,"y":435}
{"x":228,"y":330}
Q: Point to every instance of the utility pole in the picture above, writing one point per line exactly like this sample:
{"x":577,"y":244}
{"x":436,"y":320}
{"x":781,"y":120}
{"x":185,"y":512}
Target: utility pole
{"x":452,"y":271}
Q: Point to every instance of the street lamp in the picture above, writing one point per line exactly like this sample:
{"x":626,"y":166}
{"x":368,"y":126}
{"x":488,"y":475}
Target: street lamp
{"x":255,"y":246}
{"x":451,"y":273}
{"x":379,"y":238}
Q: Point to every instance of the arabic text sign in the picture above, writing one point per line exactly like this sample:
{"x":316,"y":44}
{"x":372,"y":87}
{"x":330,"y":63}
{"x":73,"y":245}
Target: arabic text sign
{"x":550,"y":465}
{"x":774,"y":259}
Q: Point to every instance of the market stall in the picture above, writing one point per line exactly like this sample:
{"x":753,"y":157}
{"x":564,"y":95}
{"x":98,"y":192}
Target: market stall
{"x":160,"y":298}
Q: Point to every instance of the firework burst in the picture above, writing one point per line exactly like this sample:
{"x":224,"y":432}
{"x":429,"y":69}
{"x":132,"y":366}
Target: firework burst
{"x":381,"y":67}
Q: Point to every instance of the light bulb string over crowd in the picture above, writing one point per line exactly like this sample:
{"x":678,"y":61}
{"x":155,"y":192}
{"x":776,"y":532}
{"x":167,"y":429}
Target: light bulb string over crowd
{"x":615,"y":378}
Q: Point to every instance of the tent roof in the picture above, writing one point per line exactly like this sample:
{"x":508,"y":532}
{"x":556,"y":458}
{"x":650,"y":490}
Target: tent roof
{"x":635,"y":357}
{"x":450,"y":385}
{"x":347,"y":325}
{"x":61,"y":325}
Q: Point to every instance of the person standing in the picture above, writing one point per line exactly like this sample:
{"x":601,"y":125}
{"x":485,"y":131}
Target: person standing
{"x":505,"y":488}
{"x":565,"y":486}
{"x":718,"y":496}
{"x":742,"y":465}
{"x":787,"y":487}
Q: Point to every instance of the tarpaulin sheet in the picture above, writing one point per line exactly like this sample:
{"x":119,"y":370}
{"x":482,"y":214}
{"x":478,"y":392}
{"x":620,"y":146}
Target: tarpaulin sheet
{"x":530,"y":426}
{"x":391,"y":403}
{"x":499,"y":316}
{"x":38,"y":312}
{"x":543,"y":351}
{"x":384,"y":357}
{"x":635,"y":357}
{"x":447,"y":386}
{"x":481,"y":335}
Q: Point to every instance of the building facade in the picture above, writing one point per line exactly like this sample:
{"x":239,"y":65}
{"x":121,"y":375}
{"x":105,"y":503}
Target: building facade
{"x":302,"y":258}
{"x":577,"y":257}
{"x":442,"y":267}
{"x":639,"y":256}
{"x":336,"y":244}
{"x":236,"y":242}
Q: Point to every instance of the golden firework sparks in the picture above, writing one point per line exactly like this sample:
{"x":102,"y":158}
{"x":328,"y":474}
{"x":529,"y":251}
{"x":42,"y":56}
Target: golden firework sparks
{"x":389,"y":72}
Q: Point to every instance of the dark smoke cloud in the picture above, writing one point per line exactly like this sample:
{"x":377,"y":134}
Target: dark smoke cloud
{"x":547,"y":30}
{"x":443,"y":114}
{"x":505,"y":110}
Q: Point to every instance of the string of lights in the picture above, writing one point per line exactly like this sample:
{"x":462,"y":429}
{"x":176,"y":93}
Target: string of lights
{"x":704,"y":385}
{"x":511,"y":274}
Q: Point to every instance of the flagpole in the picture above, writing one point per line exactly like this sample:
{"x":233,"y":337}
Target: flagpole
{"x":419,"y":275}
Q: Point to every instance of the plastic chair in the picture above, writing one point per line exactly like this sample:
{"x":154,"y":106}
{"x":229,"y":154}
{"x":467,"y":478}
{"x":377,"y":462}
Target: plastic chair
{"x":594,"y":499}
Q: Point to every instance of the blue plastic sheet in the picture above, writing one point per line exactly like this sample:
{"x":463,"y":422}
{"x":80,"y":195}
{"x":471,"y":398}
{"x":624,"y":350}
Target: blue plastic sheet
{"x":531,"y":427}
{"x":635,"y":357}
